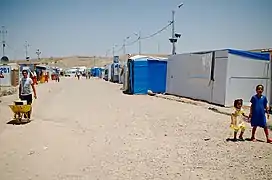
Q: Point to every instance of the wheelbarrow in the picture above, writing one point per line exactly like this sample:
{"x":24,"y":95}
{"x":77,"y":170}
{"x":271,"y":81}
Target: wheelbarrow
{"x":20,"y":110}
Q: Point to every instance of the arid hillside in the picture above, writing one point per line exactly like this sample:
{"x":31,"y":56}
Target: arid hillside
{"x":68,"y":62}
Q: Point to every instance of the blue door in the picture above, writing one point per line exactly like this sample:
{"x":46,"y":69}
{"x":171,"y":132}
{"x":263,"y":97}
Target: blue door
{"x":157,"y":75}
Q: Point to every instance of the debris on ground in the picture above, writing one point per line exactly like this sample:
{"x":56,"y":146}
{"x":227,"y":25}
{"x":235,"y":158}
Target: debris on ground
{"x":6,"y":91}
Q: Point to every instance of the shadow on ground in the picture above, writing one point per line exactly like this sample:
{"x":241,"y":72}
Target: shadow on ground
{"x":238,"y":140}
{"x":15,"y":122}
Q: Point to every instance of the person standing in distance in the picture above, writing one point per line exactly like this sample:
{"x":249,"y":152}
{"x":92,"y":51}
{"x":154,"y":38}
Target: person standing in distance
{"x":25,"y":93}
{"x":78,"y":75}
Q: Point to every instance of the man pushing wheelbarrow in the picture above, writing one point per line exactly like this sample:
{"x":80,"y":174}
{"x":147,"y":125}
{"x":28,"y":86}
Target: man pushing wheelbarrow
{"x":25,"y":92}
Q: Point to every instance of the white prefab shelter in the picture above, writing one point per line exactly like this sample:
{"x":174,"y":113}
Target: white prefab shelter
{"x":218,"y":77}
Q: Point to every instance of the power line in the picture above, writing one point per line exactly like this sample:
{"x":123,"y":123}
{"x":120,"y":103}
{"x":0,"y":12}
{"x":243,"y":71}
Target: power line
{"x":10,"y":47}
{"x":150,"y":36}
{"x":128,"y":44}
{"x":133,"y":42}
{"x":143,"y":38}
{"x":173,"y":40}
{"x":158,"y":32}
{"x":15,"y":52}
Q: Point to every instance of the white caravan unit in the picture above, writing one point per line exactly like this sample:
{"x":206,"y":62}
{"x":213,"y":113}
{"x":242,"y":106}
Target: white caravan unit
{"x":219,"y":76}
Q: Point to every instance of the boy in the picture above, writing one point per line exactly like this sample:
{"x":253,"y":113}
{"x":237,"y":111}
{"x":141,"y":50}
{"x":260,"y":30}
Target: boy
{"x":25,"y":86}
{"x":257,"y":113}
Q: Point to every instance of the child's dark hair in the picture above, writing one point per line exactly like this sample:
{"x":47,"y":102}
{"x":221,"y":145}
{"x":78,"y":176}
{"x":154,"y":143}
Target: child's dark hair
{"x":237,"y":101}
{"x":25,"y":71}
{"x":258,"y":86}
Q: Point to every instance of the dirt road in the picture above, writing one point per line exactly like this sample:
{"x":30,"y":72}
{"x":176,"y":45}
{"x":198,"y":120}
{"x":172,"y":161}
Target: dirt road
{"x":89,"y":130}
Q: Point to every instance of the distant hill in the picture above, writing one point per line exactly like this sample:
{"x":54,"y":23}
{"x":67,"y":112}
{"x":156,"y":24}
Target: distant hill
{"x":88,"y":61}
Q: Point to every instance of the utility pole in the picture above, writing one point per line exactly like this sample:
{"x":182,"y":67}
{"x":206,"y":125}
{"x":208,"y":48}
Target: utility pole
{"x":124,"y":49}
{"x":139,"y":41}
{"x":124,"y":46}
{"x":140,"y":44}
{"x":113,"y":51}
{"x":173,"y":34}
{"x":3,"y":32}
{"x":94,"y":60}
{"x":107,"y":52}
{"x":26,"y":50}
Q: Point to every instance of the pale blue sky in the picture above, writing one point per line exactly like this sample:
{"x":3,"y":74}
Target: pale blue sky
{"x":90,"y":27}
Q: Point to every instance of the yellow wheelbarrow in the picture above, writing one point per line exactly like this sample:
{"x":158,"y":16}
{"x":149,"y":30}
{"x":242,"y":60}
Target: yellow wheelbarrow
{"x":20,"y":110}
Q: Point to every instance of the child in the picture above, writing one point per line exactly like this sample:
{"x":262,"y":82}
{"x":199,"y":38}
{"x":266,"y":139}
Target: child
{"x":237,"y":119}
{"x":257,"y":113}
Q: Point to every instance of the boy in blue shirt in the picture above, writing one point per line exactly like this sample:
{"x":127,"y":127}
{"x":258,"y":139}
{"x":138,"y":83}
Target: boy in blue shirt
{"x":257,"y":113}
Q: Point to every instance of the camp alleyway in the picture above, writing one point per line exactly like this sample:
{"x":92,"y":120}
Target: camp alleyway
{"x":88,"y":129}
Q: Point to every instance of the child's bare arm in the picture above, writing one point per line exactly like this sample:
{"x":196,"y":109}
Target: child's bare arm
{"x":245,"y":115}
{"x":232,"y":119}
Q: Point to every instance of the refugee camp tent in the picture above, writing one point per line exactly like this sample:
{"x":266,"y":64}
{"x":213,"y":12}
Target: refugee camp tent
{"x":219,"y":76}
{"x":146,"y":73}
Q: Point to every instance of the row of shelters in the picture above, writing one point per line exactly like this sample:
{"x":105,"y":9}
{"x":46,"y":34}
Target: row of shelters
{"x":217,"y":76}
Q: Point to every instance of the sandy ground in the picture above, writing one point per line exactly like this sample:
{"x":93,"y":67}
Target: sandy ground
{"x":89,"y":130}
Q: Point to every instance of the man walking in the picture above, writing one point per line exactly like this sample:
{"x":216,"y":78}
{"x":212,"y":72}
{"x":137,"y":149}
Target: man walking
{"x":25,"y":93}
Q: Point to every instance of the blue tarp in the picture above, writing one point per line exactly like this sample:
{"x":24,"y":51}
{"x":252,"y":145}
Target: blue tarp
{"x":251,"y":55}
{"x":147,"y":74}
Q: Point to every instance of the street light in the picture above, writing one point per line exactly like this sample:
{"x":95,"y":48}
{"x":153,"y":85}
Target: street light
{"x":124,"y":44}
{"x":139,"y":41}
{"x":175,"y":35}
{"x":38,"y":52}
{"x":113,"y":49}
{"x":179,"y":6}
{"x":3,"y":32}
{"x":107,"y":52}
{"x":26,"y":50}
